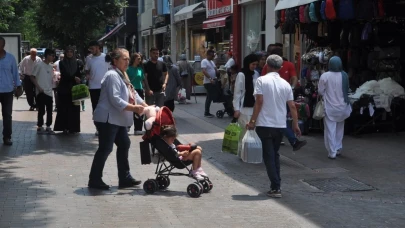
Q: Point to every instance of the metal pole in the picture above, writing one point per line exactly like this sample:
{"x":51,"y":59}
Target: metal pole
{"x":173,"y":44}
{"x":187,"y":35}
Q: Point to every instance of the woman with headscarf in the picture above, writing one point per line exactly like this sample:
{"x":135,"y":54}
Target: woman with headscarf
{"x":173,"y":83}
{"x":334,"y":87}
{"x":186,"y":73}
{"x":68,"y":114}
{"x":243,"y":99}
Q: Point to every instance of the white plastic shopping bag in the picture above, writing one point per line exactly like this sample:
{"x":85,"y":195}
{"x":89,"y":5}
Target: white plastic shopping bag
{"x":181,"y":96}
{"x":251,"y":148}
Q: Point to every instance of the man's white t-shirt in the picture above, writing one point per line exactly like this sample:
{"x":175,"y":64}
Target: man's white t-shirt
{"x":44,"y":74}
{"x":276,"y":92}
{"x":210,"y":67}
{"x":97,"y":67}
{"x":56,"y":64}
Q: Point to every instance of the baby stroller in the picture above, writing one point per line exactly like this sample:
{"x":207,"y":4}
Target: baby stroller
{"x":226,"y":98}
{"x":167,"y":159}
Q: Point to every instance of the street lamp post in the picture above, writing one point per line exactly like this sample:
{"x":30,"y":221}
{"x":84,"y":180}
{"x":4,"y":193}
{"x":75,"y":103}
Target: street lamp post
{"x":173,"y":48}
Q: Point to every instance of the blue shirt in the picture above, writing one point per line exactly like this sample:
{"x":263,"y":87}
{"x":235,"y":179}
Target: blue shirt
{"x":9,"y":77}
{"x":114,"y":97}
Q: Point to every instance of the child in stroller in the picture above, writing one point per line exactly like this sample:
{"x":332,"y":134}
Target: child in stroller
{"x":185,"y":152}
{"x":172,"y":155}
{"x":226,"y":93}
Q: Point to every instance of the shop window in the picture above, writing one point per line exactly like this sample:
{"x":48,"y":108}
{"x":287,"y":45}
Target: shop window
{"x":252,"y":29}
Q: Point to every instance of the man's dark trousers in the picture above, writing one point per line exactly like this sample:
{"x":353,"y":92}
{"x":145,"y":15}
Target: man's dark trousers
{"x":44,"y":102}
{"x":29,"y":89}
{"x":6,"y":101}
{"x":271,"y":141}
{"x":94,"y":97}
{"x":211,"y":93}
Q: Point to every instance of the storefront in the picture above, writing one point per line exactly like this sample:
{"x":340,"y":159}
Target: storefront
{"x":218,"y":28}
{"x":371,"y":50}
{"x":161,"y":31}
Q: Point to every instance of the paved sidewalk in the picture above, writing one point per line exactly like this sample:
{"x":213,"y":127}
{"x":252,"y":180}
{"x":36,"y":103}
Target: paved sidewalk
{"x":43,"y":181}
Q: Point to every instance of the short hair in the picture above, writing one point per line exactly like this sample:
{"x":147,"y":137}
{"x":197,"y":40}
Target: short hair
{"x":279,"y":45}
{"x":153,"y":49}
{"x":33,"y":50}
{"x":210,"y":52}
{"x":168,"y":131}
{"x":277,"y":51}
{"x":2,"y":39}
{"x":116,"y":54}
{"x":274,"y":61}
{"x":49,"y":52}
{"x":165,"y":52}
{"x":95,"y":43}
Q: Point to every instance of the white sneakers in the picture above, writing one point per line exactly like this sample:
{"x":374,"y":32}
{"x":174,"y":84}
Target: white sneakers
{"x":199,"y":174}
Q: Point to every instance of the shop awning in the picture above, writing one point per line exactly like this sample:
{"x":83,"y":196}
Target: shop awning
{"x":113,"y":31}
{"x":186,"y":12}
{"x":285,"y":4}
{"x":215,"y":22}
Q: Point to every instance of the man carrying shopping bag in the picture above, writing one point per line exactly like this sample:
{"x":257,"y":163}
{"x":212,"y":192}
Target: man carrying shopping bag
{"x":269,"y":118}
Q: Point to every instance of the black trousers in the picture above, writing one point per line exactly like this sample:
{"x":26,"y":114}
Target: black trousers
{"x":29,"y":89}
{"x":44,"y":101}
{"x":108,"y":135}
{"x":94,"y":97}
{"x":138,"y":122}
{"x":170,"y":104}
{"x":6,"y":101}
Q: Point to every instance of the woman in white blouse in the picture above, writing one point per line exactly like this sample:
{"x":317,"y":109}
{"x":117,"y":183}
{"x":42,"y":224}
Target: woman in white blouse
{"x":112,"y":116}
{"x":243,"y":99}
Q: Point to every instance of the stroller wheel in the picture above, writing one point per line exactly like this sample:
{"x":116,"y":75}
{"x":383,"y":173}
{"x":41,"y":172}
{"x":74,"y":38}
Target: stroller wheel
{"x":150,"y":186}
{"x":163,"y":182}
{"x":220,"y":114}
{"x":205,"y":186}
{"x":194,"y":190}
{"x":210,"y":184}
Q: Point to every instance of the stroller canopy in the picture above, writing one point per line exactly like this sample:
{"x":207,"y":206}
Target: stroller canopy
{"x":163,"y":117}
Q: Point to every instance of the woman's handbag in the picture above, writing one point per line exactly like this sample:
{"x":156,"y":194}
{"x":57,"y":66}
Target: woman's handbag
{"x":132,"y":94}
{"x":319,"y":112}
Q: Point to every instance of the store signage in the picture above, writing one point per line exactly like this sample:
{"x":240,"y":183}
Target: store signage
{"x":214,"y":24}
{"x":145,"y":33}
{"x":160,"y":30}
{"x":216,"y":8}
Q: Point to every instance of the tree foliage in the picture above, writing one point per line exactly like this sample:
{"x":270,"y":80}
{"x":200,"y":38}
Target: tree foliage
{"x":7,"y":13}
{"x":73,"y":22}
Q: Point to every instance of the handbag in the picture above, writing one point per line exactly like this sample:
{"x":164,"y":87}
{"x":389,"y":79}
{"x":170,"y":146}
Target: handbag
{"x":132,"y":94}
{"x":319,"y":112}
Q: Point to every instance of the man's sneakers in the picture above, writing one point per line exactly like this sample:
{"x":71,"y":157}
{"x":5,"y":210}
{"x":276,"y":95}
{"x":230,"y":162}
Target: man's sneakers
{"x":47,"y":131}
{"x":139,"y":132}
{"x":299,"y":144}
{"x":7,"y":142}
{"x":98,"y":184}
{"x":208,"y":115}
{"x":274,"y":193}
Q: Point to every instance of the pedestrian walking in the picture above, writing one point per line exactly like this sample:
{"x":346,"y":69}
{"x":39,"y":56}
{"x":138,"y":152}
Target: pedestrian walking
{"x":112,"y":116}
{"x":230,"y":61}
{"x":156,"y":79}
{"x":186,"y":73}
{"x":43,"y":77}
{"x":137,"y":78}
{"x":26,"y":67}
{"x":243,"y":98}
{"x":10,"y":82}
{"x":334,"y":87}
{"x":269,"y":117}
{"x":96,"y":67}
{"x":68,"y":114}
{"x":288,"y":73}
{"x":210,"y":77}
{"x":61,"y":56}
{"x":173,"y":84}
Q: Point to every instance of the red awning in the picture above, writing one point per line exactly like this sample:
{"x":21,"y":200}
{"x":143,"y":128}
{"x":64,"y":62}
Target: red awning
{"x":215,"y":22}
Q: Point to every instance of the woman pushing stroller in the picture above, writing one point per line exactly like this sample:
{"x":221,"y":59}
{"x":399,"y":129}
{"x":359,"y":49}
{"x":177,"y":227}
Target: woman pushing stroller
{"x":185,"y":152}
